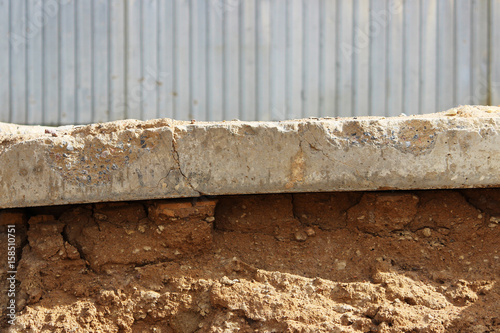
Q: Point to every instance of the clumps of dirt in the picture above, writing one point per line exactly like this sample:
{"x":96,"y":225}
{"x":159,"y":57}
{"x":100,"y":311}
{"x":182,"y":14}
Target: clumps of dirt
{"x":383,"y":213}
{"x":262,"y":214}
{"x":124,"y":234}
{"x":327,"y":210}
{"x":420,"y":261}
{"x":487,"y":200}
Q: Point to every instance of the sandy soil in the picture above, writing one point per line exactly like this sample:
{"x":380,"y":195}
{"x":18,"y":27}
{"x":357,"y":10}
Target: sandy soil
{"x":421,"y":261}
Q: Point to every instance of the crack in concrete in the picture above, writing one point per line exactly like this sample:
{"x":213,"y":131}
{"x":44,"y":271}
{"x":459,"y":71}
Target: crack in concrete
{"x":178,"y":162}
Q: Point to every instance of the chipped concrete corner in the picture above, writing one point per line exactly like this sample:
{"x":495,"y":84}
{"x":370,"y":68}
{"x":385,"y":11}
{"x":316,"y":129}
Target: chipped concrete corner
{"x":134,"y":160}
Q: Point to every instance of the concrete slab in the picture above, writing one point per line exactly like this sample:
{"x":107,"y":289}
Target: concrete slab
{"x":135,"y":160}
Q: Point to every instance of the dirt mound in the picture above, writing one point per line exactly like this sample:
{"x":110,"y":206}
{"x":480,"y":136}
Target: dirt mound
{"x":420,"y":261}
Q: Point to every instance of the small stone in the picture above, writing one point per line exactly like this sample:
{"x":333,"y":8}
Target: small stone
{"x":494,"y":219}
{"x":341,"y":264}
{"x":492,"y":225}
{"x":228,"y":281}
{"x":141,"y":228}
{"x":210,"y":219}
{"x":71,"y":251}
{"x":147,"y":248}
{"x":427,"y":232}
{"x":150,"y":295}
{"x":480,"y":216}
{"x":300,"y":236}
{"x":310,"y":232}
{"x":100,"y":217}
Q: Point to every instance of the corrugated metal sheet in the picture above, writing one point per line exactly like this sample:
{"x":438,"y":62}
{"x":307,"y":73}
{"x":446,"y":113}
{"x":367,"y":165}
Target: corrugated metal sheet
{"x":81,"y":61}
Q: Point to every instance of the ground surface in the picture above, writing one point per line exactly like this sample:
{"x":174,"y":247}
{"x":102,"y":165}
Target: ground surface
{"x":425,"y":261}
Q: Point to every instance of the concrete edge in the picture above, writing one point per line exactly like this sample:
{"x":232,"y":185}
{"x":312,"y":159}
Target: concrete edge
{"x":134,"y":160}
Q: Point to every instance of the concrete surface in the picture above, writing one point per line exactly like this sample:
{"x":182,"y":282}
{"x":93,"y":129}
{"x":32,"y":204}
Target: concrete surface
{"x":134,"y":160}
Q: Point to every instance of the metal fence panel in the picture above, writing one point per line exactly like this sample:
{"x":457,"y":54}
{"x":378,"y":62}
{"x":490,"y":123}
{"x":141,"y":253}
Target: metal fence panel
{"x":82,"y":61}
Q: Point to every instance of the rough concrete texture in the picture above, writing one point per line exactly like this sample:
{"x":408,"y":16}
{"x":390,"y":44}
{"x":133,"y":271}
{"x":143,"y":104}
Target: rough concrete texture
{"x":134,"y":160}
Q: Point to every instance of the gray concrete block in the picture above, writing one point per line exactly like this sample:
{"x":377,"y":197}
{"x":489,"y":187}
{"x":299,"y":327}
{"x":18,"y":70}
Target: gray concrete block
{"x":134,"y":160}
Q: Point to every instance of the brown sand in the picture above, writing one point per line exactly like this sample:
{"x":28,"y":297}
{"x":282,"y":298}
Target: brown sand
{"x":421,"y":261}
